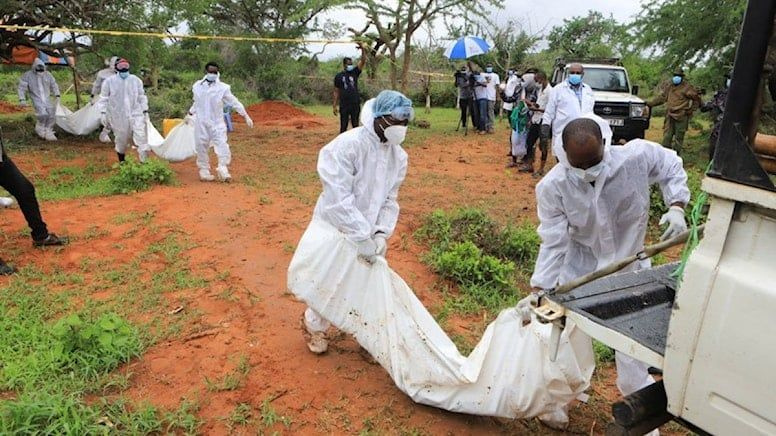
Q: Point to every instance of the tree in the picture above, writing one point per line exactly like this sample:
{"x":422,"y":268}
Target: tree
{"x":690,"y":32}
{"x":271,"y":64}
{"x":590,"y":36}
{"x":396,"y":23}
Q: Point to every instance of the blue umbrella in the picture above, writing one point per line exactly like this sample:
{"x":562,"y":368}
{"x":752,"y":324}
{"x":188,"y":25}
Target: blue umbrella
{"x":466,"y":47}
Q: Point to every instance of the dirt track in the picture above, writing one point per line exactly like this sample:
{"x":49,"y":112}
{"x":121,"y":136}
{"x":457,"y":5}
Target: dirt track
{"x":249,"y":228}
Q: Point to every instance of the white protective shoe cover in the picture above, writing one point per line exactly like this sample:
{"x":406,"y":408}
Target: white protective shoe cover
{"x":223,"y":174}
{"x":50,"y":136}
{"x":40,"y":131}
{"x":142,"y":155}
{"x":205,"y":176}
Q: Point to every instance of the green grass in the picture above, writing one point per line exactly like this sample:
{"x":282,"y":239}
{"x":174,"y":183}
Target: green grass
{"x":60,"y":346}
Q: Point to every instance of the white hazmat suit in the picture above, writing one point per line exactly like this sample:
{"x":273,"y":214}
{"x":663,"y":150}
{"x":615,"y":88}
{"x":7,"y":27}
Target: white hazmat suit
{"x":585,"y":226}
{"x":40,"y":85}
{"x":210,"y":127}
{"x":563,"y":105}
{"x":102,"y":76}
{"x":361,"y":177}
{"x":125,"y":105}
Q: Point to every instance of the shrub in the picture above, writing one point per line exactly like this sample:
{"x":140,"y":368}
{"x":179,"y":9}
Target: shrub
{"x":466,"y":264}
{"x":133,"y":176}
{"x":95,"y":346}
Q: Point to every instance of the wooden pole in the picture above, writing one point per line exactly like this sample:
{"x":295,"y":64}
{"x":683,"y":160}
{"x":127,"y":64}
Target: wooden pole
{"x":75,"y":73}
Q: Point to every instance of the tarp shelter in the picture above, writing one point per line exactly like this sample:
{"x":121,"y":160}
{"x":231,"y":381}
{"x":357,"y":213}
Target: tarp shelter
{"x":25,"y":55}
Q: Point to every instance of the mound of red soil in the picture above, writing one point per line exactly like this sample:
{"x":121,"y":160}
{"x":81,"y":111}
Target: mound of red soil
{"x":8,"y":108}
{"x":278,"y":113}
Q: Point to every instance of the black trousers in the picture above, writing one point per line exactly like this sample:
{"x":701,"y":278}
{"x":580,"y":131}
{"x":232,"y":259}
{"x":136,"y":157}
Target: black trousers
{"x":13,"y":181}
{"x":349,"y":112}
{"x":534,"y":134}
{"x":467,"y":107}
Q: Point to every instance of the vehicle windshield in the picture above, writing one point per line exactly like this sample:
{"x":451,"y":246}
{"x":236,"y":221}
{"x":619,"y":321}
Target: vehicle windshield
{"x":605,"y":79}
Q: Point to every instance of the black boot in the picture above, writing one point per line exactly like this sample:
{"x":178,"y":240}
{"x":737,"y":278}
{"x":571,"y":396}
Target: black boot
{"x":5,"y":269}
{"x":121,"y":156}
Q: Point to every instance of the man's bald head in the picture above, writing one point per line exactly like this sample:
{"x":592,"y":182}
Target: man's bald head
{"x":583,"y":143}
{"x":576,"y":68}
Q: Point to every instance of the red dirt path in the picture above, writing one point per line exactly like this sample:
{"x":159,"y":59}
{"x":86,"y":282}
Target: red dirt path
{"x":250,"y":228}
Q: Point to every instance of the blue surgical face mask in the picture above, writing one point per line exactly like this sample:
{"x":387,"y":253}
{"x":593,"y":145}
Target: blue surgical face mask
{"x":350,"y":67}
{"x":575,"y":79}
{"x":123,"y":74}
{"x":676,"y":80}
{"x":211,"y":77}
{"x":489,"y":69}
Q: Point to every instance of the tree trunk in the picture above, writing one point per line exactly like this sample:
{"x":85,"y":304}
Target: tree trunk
{"x":407,"y":59}
{"x":394,"y":68}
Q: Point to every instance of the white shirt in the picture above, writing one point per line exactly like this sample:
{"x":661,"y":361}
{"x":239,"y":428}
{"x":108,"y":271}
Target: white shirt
{"x":491,"y":86}
{"x":512,"y":82}
{"x":542,"y":97}
{"x":563,"y":106}
{"x":586,"y":226}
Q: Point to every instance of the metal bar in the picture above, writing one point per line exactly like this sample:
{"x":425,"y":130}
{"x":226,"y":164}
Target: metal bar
{"x":733,"y":157}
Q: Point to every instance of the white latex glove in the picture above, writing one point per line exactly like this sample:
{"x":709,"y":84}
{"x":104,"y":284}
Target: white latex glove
{"x":188,"y":119}
{"x":104,"y":119}
{"x":248,"y":121}
{"x":367,"y":250}
{"x":525,"y":306}
{"x":382,"y":244}
{"x":675,"y":220}
{"x":23,"y":103}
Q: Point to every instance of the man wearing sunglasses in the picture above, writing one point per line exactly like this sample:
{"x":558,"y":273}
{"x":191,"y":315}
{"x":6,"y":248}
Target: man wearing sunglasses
{"x":123,"y":106}
{"x":361,"y":171}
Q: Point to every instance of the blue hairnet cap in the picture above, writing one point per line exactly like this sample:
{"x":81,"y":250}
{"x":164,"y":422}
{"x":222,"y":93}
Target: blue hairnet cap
{"x":392,"y":103}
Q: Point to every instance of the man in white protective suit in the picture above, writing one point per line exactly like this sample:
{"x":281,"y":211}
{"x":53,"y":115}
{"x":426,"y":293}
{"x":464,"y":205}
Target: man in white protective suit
{"x":361,"y":171}
{"x":123,"y":106}
{"x":568,"y":100}
{"x":40,"y":85}
{"x":102,"y":75}
{"x":593,"y":209}
{"x":207,"y":114}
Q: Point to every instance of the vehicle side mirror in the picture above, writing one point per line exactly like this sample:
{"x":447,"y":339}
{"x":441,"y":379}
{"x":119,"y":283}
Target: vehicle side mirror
{"x":635,"y":90}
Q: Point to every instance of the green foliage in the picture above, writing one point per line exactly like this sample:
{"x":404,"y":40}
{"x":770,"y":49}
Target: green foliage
{"x":693,"y":32}
{"x":94,"y":346}
{"x":482,"y":257}
{"x":588,"y":36}
{"x":134,"y":176}
{"x":603,"y":354}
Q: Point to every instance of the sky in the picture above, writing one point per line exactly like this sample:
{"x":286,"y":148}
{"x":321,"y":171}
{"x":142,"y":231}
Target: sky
{"x":538,"y":16}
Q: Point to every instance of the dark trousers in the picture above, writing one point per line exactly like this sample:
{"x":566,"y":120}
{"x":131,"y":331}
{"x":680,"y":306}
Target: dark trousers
{"x":482,"y":106}
{"x":13,"y":181}
{"x":467,"y":106}
{"x":349,"y":112}
{"x":534,"y":134}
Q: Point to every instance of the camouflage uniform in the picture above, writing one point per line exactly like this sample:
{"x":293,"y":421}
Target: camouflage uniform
{"x":681,"y":101}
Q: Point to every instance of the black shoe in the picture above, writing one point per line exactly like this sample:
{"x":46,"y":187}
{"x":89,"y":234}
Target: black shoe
{"x":5,"y":269}
{"x":50,"y":240}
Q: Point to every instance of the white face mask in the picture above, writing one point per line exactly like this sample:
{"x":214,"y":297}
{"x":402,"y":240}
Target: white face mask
{"x":211,"y":77}
{"x":395,"y":134}
{"x":589,"y":175}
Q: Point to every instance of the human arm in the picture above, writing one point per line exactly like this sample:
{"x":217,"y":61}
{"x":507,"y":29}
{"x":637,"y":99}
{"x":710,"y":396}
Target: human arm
{"x":658,"y":99}
{"x":54,"y":87}
{"x":362,"y":60}
{"x":338,"y":203}
{"x":230,"y":100}
{"x":142,"y":99}
{"x":389,"y":213}
{"x":97,"y":85}
{"x":554,"y":233}
{"x":664,"y":167}
{"x":336,"y":94}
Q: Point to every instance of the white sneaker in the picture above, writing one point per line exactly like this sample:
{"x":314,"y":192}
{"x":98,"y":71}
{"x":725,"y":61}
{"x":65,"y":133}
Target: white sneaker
{"x":104,"y":137}
{"x":6,"y":201}
{"x":223,"y":174}
{"x":205,"y":176}
{"x":318,"y":344}
{"x":50,"y":136}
